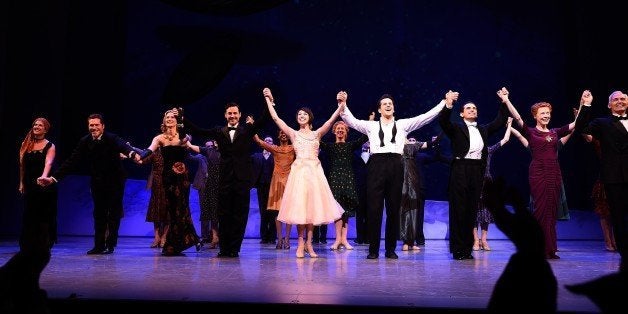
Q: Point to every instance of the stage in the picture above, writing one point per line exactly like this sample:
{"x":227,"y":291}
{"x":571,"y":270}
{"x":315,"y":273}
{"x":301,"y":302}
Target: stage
{"x":429,"y":280}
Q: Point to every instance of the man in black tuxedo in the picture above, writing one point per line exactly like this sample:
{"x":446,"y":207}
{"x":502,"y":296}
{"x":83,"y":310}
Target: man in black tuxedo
{"x":612,"y":132}
{"x":235,"y":141}
{"x":101,"y":152}
{"x":469,"y":151}
{"x":263,"y":165}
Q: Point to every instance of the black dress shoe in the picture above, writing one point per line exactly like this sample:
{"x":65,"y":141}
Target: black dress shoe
{"x":553,"y":256}
{"x":96,"y":250}
{"x":222,"y":254}
{"x":108,"y":250}
{"x":372,"y":256}
{"x":459,"y":256}
{"x":392,"y":255}
{"x":234,"y":254}
{"x":468,"y":256}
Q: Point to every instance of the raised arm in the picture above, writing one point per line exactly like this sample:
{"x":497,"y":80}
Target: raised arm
{"x":270,"y":103}
{"x":263,"y":144}
{"x":327,"y":125}
{"x":503,"y":95}
{"x":423,"y":119}
{"x":519,"y":136}
{"x":507,"y":133}
{"x":585,"y":100}
{"x":346,"y":115}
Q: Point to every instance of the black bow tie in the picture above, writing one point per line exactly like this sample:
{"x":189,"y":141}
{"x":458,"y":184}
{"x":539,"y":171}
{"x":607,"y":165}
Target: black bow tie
{"x":618,"y":118}
{"x":232,"y":128}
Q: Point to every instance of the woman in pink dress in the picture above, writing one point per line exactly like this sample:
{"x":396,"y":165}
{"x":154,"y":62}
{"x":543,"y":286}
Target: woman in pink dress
{"x":307,"y":199}
{"x":544,"y":173}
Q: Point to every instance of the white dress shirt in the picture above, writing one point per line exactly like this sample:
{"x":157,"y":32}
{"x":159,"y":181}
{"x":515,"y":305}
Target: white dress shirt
{"x":476,"y":144}
{"x":404,"y":126}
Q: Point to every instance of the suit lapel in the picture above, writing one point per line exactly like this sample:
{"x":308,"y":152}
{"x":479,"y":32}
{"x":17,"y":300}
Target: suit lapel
{"x":620,"y":127}
{"x":465,"y":130}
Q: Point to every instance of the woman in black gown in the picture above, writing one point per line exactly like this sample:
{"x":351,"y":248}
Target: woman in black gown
{"x":176,"y":184}
{"x":37,"y":154}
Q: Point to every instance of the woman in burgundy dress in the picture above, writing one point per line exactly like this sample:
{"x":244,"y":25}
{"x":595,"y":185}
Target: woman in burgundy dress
{"x":544,"y":173}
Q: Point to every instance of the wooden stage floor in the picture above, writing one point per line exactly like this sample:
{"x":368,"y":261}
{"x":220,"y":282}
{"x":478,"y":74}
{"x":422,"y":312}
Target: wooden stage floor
{"x":265,"y":278}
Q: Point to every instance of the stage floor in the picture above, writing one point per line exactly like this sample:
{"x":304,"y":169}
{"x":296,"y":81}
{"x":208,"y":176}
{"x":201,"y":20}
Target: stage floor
{"x":428,"y":279}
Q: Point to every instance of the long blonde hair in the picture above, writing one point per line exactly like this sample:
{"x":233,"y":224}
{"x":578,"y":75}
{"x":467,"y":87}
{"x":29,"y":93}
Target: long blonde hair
{"x":29,"y":139}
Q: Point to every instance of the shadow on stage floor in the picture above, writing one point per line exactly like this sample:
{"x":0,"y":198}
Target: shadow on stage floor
{"x":137,"y":278}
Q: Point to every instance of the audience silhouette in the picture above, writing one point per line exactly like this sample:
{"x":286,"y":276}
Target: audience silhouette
{"x":528,"y":283}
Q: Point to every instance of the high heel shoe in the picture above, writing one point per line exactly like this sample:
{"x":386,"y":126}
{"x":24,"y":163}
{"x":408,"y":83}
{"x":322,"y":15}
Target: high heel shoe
{"x":310,"y":250}
{"x":279,"y":245}
{"x":347,"y":246}
{"x":404,"y":247}
{"x":162,"y":243}
{"x":198,"y":246}
{"x":335,"y":246}
{"x":485,"y":246}
{"x":300,"y":249}
{"x":155,"y":243}
{"x":476,"y":245}
{"x":286,"y":243}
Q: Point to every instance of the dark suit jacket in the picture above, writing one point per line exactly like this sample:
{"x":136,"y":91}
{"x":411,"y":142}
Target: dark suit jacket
{"x":102,"y":159}
{"x":235,"y":158}
{"x":262,"y":169}
{"x":613,"y":139}
{"x":458,"y":133}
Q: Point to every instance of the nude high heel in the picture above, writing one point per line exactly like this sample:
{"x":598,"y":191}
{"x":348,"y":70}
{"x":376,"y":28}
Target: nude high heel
{"x":485,"y":246}
{"x":310,"y":250}
{"x":300,"y":248}
{"x":155,"y":243}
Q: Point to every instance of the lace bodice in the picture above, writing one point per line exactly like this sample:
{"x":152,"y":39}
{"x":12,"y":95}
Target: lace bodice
{"x":306,"y":146}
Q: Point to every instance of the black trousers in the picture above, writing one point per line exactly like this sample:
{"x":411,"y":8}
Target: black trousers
{"x":107,"y":196}
{"x":383,"y":187}
{"x":465,"y":187}
{"x":233,"y":213}
{"x":420,"y":218}
{"x":267,"y":229}
{"x":617,"y":197}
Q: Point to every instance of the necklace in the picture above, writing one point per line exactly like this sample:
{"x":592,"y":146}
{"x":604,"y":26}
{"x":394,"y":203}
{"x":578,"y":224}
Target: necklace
{"x":170,"y":137}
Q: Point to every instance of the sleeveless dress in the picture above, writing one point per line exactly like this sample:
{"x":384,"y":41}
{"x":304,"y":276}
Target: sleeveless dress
{"x":307,"y":198}
{"x":176,"y":183}
{"x":40,"y":203}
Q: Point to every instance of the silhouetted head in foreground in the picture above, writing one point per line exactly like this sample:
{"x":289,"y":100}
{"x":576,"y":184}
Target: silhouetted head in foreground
{"x":528,"y":284}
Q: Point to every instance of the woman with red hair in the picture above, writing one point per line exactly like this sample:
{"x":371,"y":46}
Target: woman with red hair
{"x":544,"y":173}
{"x":37,"y":155}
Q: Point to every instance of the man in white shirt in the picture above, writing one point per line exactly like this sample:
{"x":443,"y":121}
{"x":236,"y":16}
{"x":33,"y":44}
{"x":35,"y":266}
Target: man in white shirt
{"x":385,"y":168}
